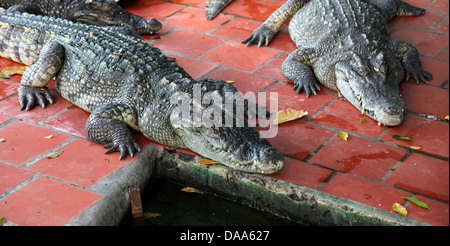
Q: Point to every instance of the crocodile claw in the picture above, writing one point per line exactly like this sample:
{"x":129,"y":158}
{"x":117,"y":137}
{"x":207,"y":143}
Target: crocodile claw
{"x":309,"y":86}
{"x":130,"y":147}
{"x":262,"y":35}
{"x":418,"y":75}
{"x":30,"y":96}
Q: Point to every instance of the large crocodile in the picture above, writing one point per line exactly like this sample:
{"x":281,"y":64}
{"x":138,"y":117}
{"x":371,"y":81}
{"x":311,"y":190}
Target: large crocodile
{"x":96,"y":12}
{"x":126,"y":83}
{"x":345,"y":45}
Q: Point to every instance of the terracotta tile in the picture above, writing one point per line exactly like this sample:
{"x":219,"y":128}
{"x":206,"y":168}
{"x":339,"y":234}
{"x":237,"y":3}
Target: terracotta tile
{"x":238,"y":29}
{"x":445,"y":55}
{"x":299,"y":139}
{"x":302,"y":173}
{"x":343,"y":115}
{"x":442,"y":28}
{"x":423,"y":22}
{"x":273,"y":69}
{"x":440,"y":5}
{"x":7,"y":63}
{"x":193,"y":67}
{"x":422,"y":174}
{"x":439,"y":70}
{"x":46,"y":202}
{"x":82,"y":163}
{"x":194,"y":44}
{"x":364,"y":191}
{"x":4,"y":118}
{"x":437,"y":215}
{"x":425,"y":99}
{"x":253,"y":9}
{"x":154,"y":9}
{"x":419,"y":3}
{"x":11,"y":176}
{"x":359,"y":156}
{"x":21,"y":141}
{"x":429,"y":134}
{"x":199,"y":3}
{"x":72,"y":121}
{"x":11,"y":106}
{"x":237,"y":55}
{"x":282,"y":41}
{"x":427,"y":43}
{"x":194,"y":18}
{"x":288,"y":98}
{"x":8,"y":87}
{"x":244,"y":82}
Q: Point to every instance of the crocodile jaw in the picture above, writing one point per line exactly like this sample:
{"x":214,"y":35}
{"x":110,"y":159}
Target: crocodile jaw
{"x":376,"y":110}
{"x":236,"y":147}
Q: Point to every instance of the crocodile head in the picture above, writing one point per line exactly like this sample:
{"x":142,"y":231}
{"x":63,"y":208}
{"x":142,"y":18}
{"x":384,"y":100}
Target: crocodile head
{"x":240,"y":148}
{"x":109,"y":13}
{"x":372,"y":86}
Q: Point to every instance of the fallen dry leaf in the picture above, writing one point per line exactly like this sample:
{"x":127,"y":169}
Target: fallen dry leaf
{"x":48,"y":137}
{"x":13,"y":70}
{"x":229,"y":81}
{"x":401,"y":137}
{"x":192,"y":190}
{"x":415,"y":147}
{"x":400,"y":209}
{"x":343,"y":135}
{"x":288,"y":115}
{"x":207,"y":162}
{"x":55,"y":154}
{"x":151,"y":215}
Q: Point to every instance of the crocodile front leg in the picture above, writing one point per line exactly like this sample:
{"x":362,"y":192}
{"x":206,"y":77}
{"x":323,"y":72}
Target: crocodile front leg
{"x":297,"y":68}
{"x":392,"y":8}
{"x":268,"y":29}
{"x":108,"y":125}
{"x":34,"y":80}
{"x":409,"y":56}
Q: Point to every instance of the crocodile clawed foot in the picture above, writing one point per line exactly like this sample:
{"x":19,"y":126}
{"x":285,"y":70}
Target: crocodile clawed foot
{"x":418,"y":75}
{"x":30,"y":96}
{"x":125,"y":148}
{"x":309,"y":86}
{"x":262,"y":35}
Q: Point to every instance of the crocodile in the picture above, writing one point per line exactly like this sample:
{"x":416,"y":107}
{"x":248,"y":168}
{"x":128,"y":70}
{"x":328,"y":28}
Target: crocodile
{"x":345,"y":45}
{"x":127,"y":85}
{"x":94,"y":12}
{"x":214,"y":7}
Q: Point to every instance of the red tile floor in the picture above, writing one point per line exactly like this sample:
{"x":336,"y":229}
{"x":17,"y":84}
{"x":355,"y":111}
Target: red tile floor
{"x":371,"y":167}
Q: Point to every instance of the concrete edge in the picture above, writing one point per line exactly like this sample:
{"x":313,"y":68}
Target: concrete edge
{"x":282,"y":198}
{"x":110,"y":209}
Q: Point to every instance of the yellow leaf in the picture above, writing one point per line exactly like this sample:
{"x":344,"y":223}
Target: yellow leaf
{"x":13,"y":70}
{"x":288,"y":115}
{"x":447,"y":117}
{"x":415,"y":147}
{"x":151,"y":215}
{"x":48,"y":137}
{"x":229,"y":81}
{"x":207,"y":162}
{"x":55,"y":154}
{"x":400,"y":209}
{"x":343,"y":135}
{"x":191,"y":190}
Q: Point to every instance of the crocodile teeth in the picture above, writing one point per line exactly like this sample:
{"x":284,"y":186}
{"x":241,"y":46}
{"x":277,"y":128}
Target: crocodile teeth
{"x":379,"y":123}
{"x":363,"y":111}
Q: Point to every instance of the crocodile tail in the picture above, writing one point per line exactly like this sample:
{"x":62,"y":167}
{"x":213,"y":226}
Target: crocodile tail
{"x":214,"y":7}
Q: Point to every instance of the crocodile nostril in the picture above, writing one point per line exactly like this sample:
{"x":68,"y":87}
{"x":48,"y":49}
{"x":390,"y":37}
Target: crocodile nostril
{"x":270,"y":150}
{"x":393,"y":110}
